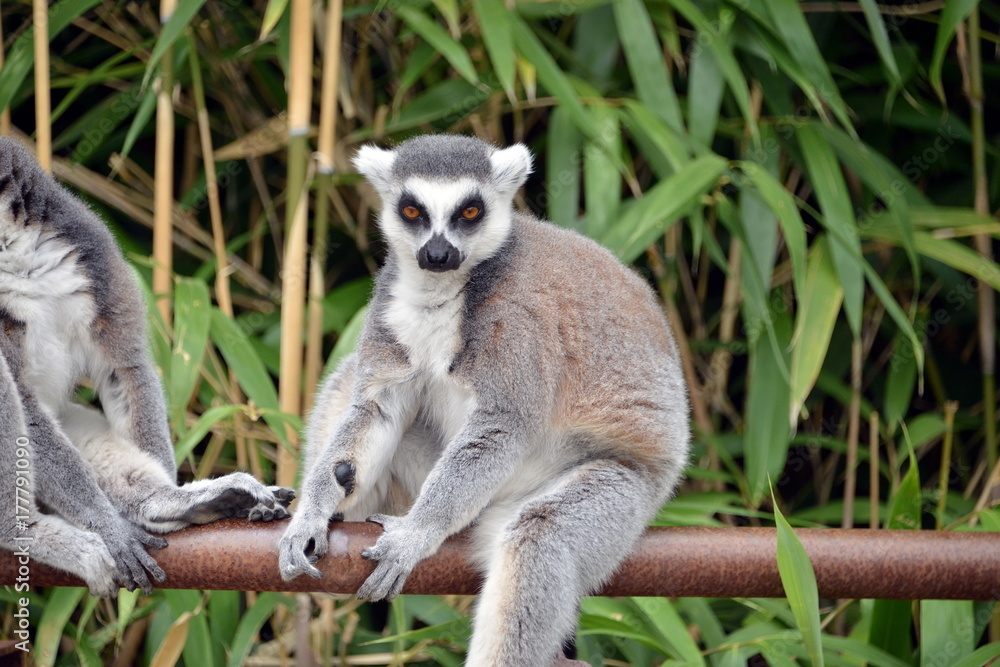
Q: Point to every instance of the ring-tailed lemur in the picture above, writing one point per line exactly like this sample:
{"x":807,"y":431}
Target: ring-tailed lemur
{"x":510,"y":375}
{"x":70,"y":308}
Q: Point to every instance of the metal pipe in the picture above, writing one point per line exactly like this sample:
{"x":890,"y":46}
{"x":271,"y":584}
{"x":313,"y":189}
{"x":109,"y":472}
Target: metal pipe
{"x":672,"y":562}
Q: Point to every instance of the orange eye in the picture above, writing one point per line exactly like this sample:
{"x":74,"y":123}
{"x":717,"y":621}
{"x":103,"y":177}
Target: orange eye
{"x":470,"y":213}
{"x":411,"y":212}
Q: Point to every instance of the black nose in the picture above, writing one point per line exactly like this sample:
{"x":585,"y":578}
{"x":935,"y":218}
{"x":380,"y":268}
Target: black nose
{"x":439,"y":255}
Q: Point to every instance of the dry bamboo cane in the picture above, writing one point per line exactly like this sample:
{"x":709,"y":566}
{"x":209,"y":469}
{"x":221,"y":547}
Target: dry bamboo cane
{"x":163,"y":195}
{"x":873,"y":471}
{"x":984,"y":246}
{"x":5,"y":112}
{"x":294,"y":265}
{"x":222,"y":267}
{"x":853,"y":432}
{"x":43,"y":100}
{"x":987,"y":301}
{"x":324,"y":158}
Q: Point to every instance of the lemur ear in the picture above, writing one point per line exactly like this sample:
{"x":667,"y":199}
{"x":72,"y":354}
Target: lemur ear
{"x":375,"y":164}
{"x":511,"y":167}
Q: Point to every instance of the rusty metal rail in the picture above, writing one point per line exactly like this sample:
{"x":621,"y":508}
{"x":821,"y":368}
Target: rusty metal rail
{"x":681,"y":562}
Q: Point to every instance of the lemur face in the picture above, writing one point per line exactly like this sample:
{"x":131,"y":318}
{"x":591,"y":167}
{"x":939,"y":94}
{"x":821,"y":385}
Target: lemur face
{"x":446,"y":200}
{"x":439,"y":222}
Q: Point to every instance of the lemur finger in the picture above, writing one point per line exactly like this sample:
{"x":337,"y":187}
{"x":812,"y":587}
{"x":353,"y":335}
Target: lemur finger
{"x":281,"y":513}
{"x":282,"y":494}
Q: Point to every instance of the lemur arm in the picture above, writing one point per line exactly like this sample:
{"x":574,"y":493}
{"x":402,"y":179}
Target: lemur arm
{"x":123,"y":373}
{"x":511,"y":403}
{"x":70,"y":488}
{"x":353,"y":455}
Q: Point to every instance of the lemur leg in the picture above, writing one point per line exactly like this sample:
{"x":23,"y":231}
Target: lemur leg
{"x":550,"y":551}
{"x":147,"y":495}
{"x":351,"y":441}
{"x":31,"y":535}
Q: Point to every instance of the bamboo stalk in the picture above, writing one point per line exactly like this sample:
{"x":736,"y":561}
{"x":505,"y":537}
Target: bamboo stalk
{"x":324,"y":155}
{"x":972,"y":72}
{"x":853,"y":431}
{"x":43,"y":99}
{"x":950,"y":408}
{"x":5,"y":112}
{"x":294,"y":266}
{"x":873,"y":471}
{"x":222,"y":268}
{"x":163,"y":195}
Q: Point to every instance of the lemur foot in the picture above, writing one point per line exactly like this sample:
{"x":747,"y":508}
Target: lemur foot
{"x":79,"y":552}
{"x":304,"y":542}
{"x":238,"y":495}
{"x":283,"y":496}
{"x":397,"y":551}
{"x":127,"y":544}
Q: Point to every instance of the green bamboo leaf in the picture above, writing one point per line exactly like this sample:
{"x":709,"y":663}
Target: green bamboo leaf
{"x":782,"y":203}
{"x":661,"y":614}
{"x":765,"y":448}
{"x":941,"y":217}
{"x":224,"y":610}
{"x":662,"y":145}
{"x":790,"y":23}
{"x":955,"y":11}
{"x":852,"y":648}
{"x":252,"y":621}
{"x":186,"y":444}
{"x":900,"y":382}
{"x":126,"y":606}
{"x":647,"y":219}
{"x":20,"y":60}
{"x":172,"y":30}
{"x":838,"y":214}
{"x":58,"y":608}
{"x":705,"y":98}
{"x":198,"y":643}
{"x":272,"y":14}
{"x":880,"y":36}
{"x":714,"y":35}
{"x":553,"y":78}
{"x":948,"y":251}
{"x":494,"y":24}
{"x":946,"y":631}
{"x":191,"y":302}
{"x":140,"y":120}
{"x":562,"y":170}
{"x":644,"y":56}
{"x":891,"y":186}
{"x":439,"y":38}
{"x":979,"y":657}
{"x":243,"y":360}
{"x":450,"y":98}
{"x":759,"y":223}
{"x":602,"y":182}
{"x":799,"y":581}
{"x":815,"y":320}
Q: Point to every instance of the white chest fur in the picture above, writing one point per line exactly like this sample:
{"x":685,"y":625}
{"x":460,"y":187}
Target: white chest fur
{"x":425,"y":315}
{"x":42,"y":285}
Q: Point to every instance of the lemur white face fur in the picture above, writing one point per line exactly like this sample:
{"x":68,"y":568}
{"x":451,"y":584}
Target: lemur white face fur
{"x":439,"y":215}
{"x":511,"y":377}
{"x":70,"y":308}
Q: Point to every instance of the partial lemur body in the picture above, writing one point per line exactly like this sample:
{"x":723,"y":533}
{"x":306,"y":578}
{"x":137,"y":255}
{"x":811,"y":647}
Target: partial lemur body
{"x":70,"y":309}
{"x":510,"y":375}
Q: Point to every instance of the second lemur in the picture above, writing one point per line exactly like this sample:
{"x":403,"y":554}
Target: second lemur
{"x":70,"y":308}
{"x":510,"y":375}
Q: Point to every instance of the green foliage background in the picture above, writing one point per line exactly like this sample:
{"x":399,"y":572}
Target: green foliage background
{"x":799,"y":180}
